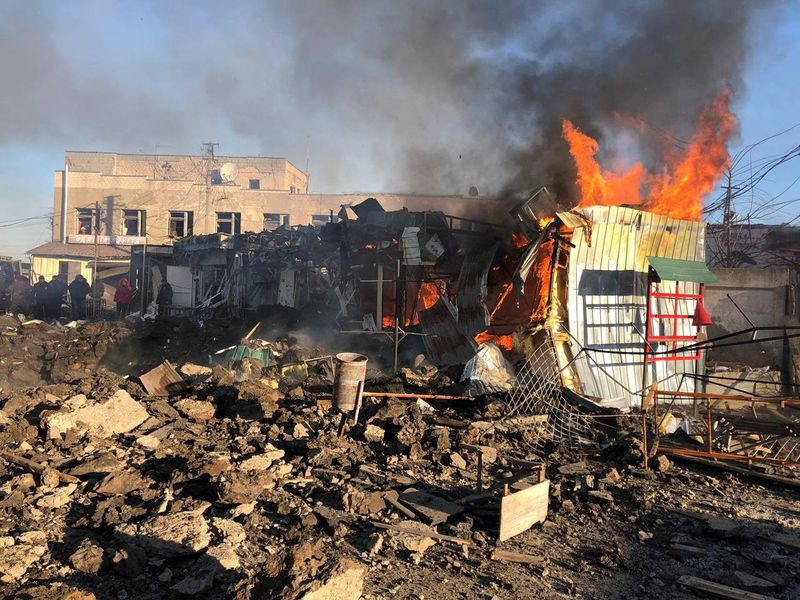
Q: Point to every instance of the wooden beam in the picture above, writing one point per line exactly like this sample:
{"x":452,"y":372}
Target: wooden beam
{"x":517,"y":557}
{"x":719,"y":590}
{"x":34,"y":466}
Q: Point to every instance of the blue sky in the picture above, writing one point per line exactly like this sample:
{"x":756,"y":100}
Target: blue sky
{"x":133,"y":76}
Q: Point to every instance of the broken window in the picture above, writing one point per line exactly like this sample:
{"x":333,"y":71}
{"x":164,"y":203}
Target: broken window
{"x":255,"y":184}
{"x":181,"y":223}
{"x":87,"y":216}
{"x":274,"y":220}
{"x":216,"y":178}
{"x":133,"y":222}
{"x":320,"y":220}
{"x":229,"y":222}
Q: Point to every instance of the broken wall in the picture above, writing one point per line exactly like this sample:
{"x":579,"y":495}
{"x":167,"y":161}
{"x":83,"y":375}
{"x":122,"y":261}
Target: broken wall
{"x":761,"y":294}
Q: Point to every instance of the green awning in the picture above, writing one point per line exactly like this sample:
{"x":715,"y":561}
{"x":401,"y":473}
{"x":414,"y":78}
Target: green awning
{"x":671,"y":269}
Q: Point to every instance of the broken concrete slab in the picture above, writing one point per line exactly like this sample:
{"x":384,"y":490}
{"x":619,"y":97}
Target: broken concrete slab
{"x":225,"y":554}
{"x":176,"y":534}
{"x":262,"y":462}
{"x":88,"y":557}
{"x":344,"y":582}
{"x":60,"y":497}
{"x":199,"y":410}
{"x":17,"y":559}
{"x":118,"y":414}
{"x":229,"y":530}
{"x":193,"y":370}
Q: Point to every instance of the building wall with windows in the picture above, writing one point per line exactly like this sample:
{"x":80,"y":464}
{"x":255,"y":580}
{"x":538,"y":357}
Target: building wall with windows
{"x":128,"y":199}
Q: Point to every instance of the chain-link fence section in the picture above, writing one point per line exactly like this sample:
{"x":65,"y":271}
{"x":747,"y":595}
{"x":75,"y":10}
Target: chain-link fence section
{"x":538,"y":407}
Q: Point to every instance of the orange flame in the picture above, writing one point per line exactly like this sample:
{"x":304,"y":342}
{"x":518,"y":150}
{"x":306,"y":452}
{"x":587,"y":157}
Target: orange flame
{"x":387,"y":322}
{"x":686,"y":178}
{"x":428,"y":295}
{"x":506,"y":342}
{"x":543,"y":272}
{"x":600,"y":187}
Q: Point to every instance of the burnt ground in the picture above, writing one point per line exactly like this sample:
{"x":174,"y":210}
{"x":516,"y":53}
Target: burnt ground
{"x":239,"y":488}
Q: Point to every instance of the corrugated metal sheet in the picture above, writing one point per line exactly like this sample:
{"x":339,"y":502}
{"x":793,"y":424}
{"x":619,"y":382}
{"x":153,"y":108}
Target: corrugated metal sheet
{"x":525,"y":264}
{"x":473,"y":317}
{"x":444,"y":341}
{"x":606,"y":299}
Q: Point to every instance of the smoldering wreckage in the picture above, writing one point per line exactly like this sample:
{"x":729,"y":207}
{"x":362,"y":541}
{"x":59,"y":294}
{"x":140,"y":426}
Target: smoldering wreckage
{"x":494,"y":414}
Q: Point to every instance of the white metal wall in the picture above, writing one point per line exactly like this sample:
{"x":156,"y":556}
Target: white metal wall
{"x":606,"y":300}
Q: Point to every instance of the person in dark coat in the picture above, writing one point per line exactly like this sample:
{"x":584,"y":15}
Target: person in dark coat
{"x":164,"y":297}
{"x":77,"y":292}
{"x":123,"y":297}
{"x":55,"y":297}
{"x":39,"y":297}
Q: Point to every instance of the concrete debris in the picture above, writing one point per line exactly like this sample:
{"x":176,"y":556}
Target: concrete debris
{"x":344,"y":582}
{"x":118,"y":414}
{"x":191,"y":370}
{"x":262,"y":462}
{"x":88,"y":558}
{"x":17,"y":559}
{"x":199,"y":410}
{"x":373,"y":433}
{"x":239,"y":487}
{"x":458,"y":461}
{"x":177,"y":534}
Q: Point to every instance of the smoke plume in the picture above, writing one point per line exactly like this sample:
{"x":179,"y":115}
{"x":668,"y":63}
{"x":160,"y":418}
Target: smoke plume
{"x":393,"y":96}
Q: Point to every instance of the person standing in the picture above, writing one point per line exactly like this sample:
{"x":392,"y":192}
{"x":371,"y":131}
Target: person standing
{"x":77,"y":292}
{"x":40,"y":289}
{"x":123,"y":297}
{"x":55,"y":297}
{"x":164,"y":297}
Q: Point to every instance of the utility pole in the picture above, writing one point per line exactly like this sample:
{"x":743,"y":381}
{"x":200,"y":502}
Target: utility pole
{"x":727,"y":221}
{"x":96,"y":240}
{"x":208,"y":148}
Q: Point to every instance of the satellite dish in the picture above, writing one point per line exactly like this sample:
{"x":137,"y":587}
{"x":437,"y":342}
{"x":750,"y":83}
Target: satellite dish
{"x":228,"y":172}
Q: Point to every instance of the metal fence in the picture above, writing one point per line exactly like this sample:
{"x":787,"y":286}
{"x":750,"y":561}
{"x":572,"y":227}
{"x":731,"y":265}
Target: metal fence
{"x":537,"y":393}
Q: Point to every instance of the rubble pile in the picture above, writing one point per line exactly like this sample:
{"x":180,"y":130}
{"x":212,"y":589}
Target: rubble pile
{"x":239,"y":486}
{"x":33,"y":352}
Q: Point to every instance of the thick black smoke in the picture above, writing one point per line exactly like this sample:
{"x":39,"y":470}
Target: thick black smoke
{"x":475,"y":91}
{"x":394,"y":96}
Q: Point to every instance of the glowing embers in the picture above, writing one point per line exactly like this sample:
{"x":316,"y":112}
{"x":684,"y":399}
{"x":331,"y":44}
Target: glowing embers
{"x":678,"y":187}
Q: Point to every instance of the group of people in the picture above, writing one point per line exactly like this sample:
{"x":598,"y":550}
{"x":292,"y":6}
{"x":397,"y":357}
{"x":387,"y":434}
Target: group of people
{"x":46,"y":299}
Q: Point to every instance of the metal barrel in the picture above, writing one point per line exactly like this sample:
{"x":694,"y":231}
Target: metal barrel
{"x":351,"y":369}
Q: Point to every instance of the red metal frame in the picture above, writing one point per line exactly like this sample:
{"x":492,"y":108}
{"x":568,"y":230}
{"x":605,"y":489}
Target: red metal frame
{"x":672,"y":317}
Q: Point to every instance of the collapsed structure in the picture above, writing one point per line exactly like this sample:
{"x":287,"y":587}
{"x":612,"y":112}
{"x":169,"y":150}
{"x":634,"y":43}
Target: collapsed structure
{"x":584,"y":276}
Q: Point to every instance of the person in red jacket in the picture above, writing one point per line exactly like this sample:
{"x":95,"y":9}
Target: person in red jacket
{"x":123,"y":297}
